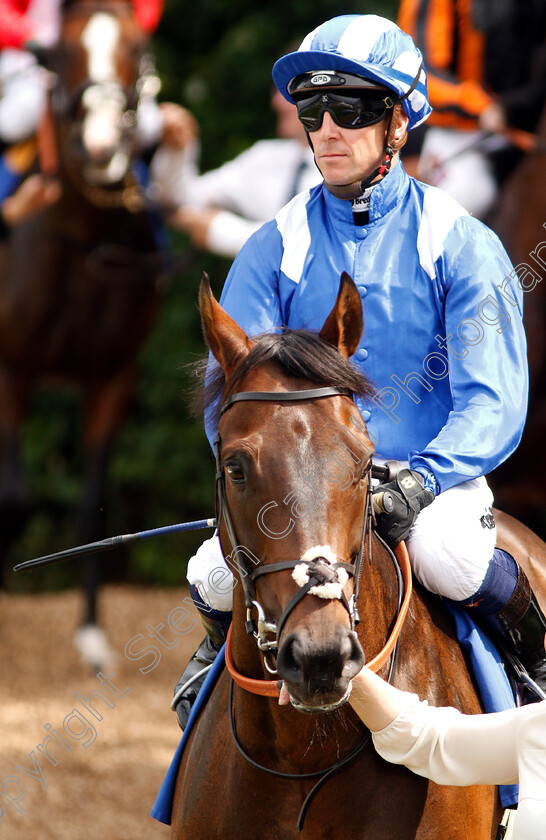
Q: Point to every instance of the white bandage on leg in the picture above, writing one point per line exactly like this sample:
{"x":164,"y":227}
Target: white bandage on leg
{"x":209,"y":573}
{"x":450,"y":545}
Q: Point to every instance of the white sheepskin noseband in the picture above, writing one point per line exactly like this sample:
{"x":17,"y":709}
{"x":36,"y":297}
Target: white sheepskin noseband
{"x":323,"y":555}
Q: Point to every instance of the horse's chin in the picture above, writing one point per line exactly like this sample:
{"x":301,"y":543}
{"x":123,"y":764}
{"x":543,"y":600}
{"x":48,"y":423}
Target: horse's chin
{"x":314,"y":705}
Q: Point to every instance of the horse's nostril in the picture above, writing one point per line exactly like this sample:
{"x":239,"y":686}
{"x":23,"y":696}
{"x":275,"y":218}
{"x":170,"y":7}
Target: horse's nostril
{"x":289,"y":661}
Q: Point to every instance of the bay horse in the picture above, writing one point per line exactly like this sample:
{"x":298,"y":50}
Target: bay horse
{"x":78,"y":281}
{"x":293,"y":496}
{"x":520,"y":221}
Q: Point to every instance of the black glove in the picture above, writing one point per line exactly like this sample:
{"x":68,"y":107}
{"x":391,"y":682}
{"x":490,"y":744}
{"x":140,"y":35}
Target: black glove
{"x":400,"y":500}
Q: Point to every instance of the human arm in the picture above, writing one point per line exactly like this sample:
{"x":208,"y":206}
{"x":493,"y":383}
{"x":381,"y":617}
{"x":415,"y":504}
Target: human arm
{"x":438,"y":743}
{"x":36,"y":192}
{"x":221,"y":208}
{"x":218,"y":231}
{"x":177,"y":181}
{"x":484,"y":345}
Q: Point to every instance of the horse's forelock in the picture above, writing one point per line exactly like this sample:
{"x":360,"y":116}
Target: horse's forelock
{"x":301,"y":354}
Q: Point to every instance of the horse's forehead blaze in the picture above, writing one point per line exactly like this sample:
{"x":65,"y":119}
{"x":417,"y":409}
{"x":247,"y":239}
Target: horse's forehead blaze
{"x":101,"y":38}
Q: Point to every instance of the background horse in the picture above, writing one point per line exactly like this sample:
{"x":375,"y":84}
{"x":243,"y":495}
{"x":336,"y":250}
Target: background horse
{"x":293,"y":483}
{"x":68,"y":313}
{"x":520,"y":220}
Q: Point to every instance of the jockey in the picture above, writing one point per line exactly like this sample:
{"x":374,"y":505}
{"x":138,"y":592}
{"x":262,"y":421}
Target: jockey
{"x":27,"y":28}
{"x":443,"y":341}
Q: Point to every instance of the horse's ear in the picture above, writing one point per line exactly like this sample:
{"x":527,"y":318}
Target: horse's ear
{"x":228,"y":343}
{"x":343,"y":326}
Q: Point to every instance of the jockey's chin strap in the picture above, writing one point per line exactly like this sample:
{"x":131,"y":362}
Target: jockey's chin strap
{"x":319,"y":571}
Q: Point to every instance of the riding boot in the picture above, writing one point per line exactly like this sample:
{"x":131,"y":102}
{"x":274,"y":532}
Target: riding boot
{"x":524,"y":626}
{"x":216,"y":624}
{"x":507,"y":608}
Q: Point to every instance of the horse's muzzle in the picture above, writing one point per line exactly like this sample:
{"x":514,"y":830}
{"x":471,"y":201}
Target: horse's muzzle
{"x":317,"y":675}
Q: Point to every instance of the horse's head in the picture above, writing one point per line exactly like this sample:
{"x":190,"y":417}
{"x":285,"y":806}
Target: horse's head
{"x":97,"y":66}
{"x":293,"y":484}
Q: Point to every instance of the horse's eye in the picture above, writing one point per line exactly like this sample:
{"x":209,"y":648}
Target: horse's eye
{"x":235,"y":473}
{"x":365,"y":471}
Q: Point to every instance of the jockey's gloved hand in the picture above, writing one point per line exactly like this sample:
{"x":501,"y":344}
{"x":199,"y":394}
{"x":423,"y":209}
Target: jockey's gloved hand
{"x":406,"y":497}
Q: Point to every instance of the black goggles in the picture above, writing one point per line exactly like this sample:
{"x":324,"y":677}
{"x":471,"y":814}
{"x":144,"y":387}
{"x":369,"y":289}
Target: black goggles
{"x":347,"y":110}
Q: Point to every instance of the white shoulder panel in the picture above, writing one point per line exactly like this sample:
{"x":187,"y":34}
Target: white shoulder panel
{"x":440,"y":213}
{"x":293,"y":226}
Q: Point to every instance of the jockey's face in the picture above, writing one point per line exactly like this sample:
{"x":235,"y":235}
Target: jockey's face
{"x":347,"y":155}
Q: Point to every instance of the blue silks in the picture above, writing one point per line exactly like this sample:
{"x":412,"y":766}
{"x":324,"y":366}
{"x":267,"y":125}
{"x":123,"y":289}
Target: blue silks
{"x":141,"y":172}
{"x":10,"y":179}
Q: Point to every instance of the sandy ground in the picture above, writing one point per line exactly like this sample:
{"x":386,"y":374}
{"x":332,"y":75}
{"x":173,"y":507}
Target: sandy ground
{"x":105,"y":789}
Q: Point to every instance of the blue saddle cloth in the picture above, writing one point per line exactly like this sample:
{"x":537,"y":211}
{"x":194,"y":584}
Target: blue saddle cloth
{"x":490,"y":676}
{"x":163,"y":804}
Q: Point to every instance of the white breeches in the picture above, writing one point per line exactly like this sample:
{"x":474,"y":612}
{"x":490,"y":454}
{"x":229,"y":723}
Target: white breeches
{"x":450,"y":547}
{"x":467,"y":176}
{"x":23,"y":95}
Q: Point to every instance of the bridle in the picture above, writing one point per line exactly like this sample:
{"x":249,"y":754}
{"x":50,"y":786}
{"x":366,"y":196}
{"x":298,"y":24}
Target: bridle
{"x":316,"y":574}
{"x":318,"y":570}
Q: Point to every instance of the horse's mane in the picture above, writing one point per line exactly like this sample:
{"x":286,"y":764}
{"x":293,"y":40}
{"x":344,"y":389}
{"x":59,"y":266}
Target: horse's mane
{"x":300,"y":354}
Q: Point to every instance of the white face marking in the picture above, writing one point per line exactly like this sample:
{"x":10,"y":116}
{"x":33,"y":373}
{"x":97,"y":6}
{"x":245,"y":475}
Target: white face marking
{"x":104,"y":101}
{"x":100,"y":38}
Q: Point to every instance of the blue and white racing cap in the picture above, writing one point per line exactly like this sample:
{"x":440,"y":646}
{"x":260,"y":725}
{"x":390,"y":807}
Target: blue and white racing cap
{"x":366,"y":46}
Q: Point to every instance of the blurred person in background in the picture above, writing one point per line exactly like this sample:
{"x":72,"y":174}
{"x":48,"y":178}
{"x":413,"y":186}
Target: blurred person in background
{"x":486,"y":64}
{"x":223,"y":207}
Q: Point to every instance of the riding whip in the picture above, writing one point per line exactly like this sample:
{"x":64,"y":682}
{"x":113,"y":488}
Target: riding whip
{"x":113,"y":542}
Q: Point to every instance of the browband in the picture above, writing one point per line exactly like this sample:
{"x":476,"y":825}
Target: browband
{"x":285,"y":396}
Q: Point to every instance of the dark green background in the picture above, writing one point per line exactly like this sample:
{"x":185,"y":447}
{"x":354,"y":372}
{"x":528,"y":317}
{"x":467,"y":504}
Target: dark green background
{"x":214,"y":57}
